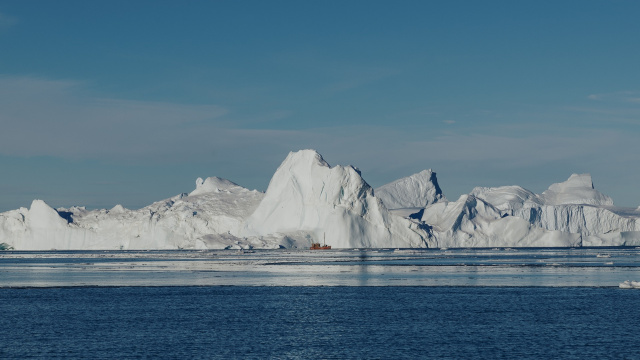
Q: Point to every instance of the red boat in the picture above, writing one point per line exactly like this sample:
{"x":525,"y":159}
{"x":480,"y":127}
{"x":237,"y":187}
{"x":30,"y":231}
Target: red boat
{"x":317,"y":246}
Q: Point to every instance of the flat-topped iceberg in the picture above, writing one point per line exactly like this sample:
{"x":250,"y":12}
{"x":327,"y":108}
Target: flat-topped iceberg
{"x":572,"y":207}
{"x":308,"y":200}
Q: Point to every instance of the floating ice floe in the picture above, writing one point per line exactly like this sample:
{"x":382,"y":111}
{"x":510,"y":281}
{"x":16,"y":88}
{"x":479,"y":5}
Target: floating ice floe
{"x":628,"y":284}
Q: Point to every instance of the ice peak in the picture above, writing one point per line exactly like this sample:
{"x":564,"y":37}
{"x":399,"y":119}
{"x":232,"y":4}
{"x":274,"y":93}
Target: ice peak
{"x":307,"y":156}
{"x":306,"y":194}
{"x":574,"y":181}
{"x":212,"y":184}
{"x":417,"y":190}
{"x":42,"y":215}
{"x":117,"y":209}
{"x":305,"y":172}
{"x":578,"y":189}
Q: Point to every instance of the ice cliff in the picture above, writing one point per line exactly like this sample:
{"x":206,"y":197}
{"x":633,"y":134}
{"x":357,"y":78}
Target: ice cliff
{"x":472,"y":222}
{"x":571,"y":213}
{"x":308,"y":200}
{"x":573,"y":206}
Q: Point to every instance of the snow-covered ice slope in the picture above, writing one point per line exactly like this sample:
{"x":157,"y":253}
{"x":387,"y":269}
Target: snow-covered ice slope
{"x":307,"y":199}
{"x":209,"y":217}
{"x":416,"y":191}
{"x":578,"y":189}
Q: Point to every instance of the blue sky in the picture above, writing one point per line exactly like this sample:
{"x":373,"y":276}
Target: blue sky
{"x":121,"y":102}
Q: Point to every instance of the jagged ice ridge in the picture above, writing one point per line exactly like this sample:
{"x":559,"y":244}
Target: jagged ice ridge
{"x":308,"y":200}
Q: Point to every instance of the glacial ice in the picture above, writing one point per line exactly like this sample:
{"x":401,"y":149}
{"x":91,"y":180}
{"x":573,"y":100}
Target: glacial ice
{"x":416,"y":191}
{"x":628,"y":284}
{"x":209,"y":217}
{"x":308,"y":197}
{"x":472,"y":222}
{"x":571,"y":207}
{"x":308,"y":200}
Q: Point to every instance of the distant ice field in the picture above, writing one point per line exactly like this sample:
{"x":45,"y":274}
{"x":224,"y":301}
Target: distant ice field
{"x":499,"y":267}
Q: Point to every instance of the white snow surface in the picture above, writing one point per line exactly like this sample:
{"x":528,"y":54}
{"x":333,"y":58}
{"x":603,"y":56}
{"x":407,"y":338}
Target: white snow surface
{"x":212,"y":185}
{"x":573,"y":206}
{"x":472,"y":222}
{"x":308,"y":200}
{"x":309,"y":197}
{"x":629,"y":284}
{"x":417,"y":190}
{"x":209,"y":217}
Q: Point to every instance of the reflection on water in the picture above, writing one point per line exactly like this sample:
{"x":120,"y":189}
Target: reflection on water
{"x":357,"y":267}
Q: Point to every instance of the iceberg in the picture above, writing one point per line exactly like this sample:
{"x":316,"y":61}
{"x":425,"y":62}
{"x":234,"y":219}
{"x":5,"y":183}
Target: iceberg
{"x":209,"y":217}
{"x":628,"y":284}
{"x":572,"y":207}
{"x":473,"y":222}
{"x":308,"y":200}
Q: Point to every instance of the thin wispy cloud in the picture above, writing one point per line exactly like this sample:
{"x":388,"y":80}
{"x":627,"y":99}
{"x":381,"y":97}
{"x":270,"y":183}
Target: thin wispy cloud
{"x":620,"y":97}
{"x":605,"y":113}
{"x":57,"y":118}
{"x":616,"y":107}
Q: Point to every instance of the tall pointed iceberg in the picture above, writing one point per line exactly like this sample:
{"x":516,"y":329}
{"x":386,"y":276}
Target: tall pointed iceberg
{"x":309,"y":199}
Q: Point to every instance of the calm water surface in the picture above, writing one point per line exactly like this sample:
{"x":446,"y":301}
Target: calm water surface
{"x":344,"y":304}
{"x":319,"y":322}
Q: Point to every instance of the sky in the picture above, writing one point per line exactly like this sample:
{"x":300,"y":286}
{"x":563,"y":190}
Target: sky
{"x":128,"y":102}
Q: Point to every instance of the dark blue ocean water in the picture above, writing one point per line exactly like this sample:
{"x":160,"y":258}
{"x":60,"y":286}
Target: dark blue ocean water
{"x":320,"y":322}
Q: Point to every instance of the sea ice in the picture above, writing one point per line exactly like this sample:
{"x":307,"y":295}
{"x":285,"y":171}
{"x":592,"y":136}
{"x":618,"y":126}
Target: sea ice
{"x":630,"y":284}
